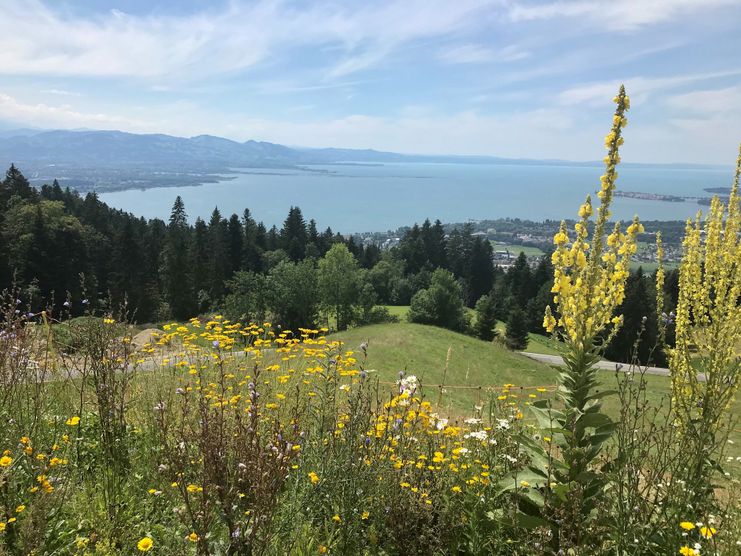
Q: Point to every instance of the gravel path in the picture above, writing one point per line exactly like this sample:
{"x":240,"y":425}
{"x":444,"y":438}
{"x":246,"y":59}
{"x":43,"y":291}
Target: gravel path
{"x":606,"y":365}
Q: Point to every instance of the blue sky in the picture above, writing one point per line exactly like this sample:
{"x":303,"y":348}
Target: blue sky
{"x":514,"y":78}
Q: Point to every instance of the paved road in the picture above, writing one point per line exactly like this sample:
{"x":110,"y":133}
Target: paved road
{"x":606,"y":365}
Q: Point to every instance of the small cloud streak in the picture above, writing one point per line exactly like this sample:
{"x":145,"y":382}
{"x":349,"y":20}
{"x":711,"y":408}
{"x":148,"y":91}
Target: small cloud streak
{"x":477,"y":54}
{"x":61,"y":92}
{"x":620,"y":15}
{"x":63,"y":116}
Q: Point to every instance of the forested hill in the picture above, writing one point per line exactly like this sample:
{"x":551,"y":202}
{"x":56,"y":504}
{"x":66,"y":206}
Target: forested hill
{"x":76,"y":254}
{"x":55,"y":242}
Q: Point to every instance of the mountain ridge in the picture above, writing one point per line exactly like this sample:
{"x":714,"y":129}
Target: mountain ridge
{"x":115,"y":160}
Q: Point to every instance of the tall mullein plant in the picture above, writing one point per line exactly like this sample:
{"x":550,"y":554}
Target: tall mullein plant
{"x":705,"y":362}
{"x":589,"y":285}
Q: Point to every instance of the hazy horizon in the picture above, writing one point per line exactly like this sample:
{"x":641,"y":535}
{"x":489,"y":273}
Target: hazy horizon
{"x":511,"y":79}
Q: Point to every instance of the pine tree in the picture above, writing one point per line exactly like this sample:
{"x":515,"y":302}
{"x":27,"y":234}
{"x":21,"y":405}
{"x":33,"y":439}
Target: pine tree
{"x":479,"y":270}
{"x":640,"y":328}
{"x":16,"y":185}
{"x":516,"y":333}
{"x":235,"y":244}
{"x":486,"y":319}
{"x":293,"y":236}
{"x":252,"y":245}
{"x":519,"y":281}
{"x":200,"y":264}
{"x":125,"y":274}
{"x":177,"y":271}
{"x":218,"y":256}
{"x":412,"y":250}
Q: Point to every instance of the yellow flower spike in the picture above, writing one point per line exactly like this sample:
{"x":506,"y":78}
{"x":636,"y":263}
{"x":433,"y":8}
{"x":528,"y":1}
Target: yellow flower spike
{"x":708,"y":316}
{"x":586,"y":298}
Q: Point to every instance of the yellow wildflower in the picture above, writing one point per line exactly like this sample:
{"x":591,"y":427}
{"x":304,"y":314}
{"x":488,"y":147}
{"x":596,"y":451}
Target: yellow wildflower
{"x":707,"y":532}
{"x":145,"y":544}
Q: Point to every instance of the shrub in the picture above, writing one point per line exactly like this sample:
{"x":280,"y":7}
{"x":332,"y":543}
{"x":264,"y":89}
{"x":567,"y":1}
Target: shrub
{"x":441,"y":304}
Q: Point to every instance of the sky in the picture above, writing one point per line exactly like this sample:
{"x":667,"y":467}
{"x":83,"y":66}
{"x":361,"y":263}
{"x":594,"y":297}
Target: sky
{"x":510,"y":78}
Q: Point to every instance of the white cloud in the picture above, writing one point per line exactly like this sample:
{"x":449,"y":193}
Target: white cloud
{"x":709,"y":101}
{"x":622,"y":15}
{"x":61,"y":92}
{"x":477,"y":54}
{"x":62,"y":116}
{"x":639,"y":88}
{"x":239,"y":36}
{"x":552,"y":133}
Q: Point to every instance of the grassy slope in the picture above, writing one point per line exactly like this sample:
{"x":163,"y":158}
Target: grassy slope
{"x":422,"y":350}
{"x":538,"y":342}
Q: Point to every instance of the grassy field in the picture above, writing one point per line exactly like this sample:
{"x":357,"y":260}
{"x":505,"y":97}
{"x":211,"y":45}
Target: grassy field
{"x":538,"y":342}
{"x":516,"y":249}
{"x":422,"y":350}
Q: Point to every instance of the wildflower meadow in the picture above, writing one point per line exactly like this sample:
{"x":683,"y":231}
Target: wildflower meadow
{"x":217,"y":436}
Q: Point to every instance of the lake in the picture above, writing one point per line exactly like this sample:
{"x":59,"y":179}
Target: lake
{"x":361,"y":198}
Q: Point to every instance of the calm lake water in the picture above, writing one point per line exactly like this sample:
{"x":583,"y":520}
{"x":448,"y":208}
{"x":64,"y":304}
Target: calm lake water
{"x":359,"y":198}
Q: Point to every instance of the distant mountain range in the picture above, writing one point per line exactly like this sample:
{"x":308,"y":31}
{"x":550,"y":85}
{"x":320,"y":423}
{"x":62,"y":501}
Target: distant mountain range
{"x":111,"y":160}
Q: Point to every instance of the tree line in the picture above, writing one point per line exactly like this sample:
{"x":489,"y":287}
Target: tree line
{"x":75,"y":252}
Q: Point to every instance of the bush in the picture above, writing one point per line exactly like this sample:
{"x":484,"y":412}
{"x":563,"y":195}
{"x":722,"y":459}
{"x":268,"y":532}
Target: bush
{"x":377,"y":315}
{"x":441,"y":304}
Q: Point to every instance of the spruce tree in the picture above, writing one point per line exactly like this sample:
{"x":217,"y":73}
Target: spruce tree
{"x":486,"y":319}
{"x":293,"y":236}
{"x":177,"y":270}
{"x":200,"y":264}
{"x":252,"y":245}
{"x":235,"y":244}
{"x":218,"y":256}
{"x":516,"y":333}
{"x":479,"y":270}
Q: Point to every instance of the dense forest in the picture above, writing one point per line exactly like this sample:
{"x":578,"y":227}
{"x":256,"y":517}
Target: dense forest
{"x":76,"y":254}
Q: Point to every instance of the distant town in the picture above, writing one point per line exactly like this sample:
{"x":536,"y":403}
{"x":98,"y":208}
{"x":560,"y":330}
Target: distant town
{"x":511,"y":236}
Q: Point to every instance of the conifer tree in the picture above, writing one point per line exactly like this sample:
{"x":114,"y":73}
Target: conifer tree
{"x":177,"y":271}
{"x":293,"y":236}
{"x":235,"y":244}
{"x":253,"y":244}
{"x":516,"y":333}
{"x":479,"y":270}
{"x":200,"y":264}
{"x":218,"y":256}
{"x":486,"y":319}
